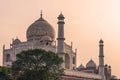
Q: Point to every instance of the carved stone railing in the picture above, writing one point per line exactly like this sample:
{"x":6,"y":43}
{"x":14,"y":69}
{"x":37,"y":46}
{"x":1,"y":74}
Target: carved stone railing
{"x":82,"y":74}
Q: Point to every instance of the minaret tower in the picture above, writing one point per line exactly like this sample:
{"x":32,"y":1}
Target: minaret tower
{"x":60,"y":42}
{"x":101,"y":59}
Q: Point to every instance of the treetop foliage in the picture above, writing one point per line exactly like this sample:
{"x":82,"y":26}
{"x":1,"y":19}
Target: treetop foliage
{"x":37,"y":64}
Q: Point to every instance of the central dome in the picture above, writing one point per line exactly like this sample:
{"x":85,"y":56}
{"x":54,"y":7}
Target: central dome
{"x":40,"y":30}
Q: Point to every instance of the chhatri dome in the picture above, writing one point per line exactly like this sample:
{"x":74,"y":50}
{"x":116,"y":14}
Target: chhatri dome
{"x":91,"y":64}
{"x":81,"y":66}
{"x":16,"y":41}
{"x":40,"y":30}
{"x":101,"y":41}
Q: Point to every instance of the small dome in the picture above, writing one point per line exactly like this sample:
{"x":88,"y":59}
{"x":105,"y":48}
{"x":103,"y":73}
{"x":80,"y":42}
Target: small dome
{"x":109,"y":66}
{"x":16,"y":41}
{"x":61,"y":16}
{"x":101,"y":41}
{"x":91,"y":64}
{"x":106,"y":65}
{"x":39,"y":29}
{"x":81,"y":66}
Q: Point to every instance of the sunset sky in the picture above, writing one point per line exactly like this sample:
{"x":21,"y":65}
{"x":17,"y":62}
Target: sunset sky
{"x":86,"y":22}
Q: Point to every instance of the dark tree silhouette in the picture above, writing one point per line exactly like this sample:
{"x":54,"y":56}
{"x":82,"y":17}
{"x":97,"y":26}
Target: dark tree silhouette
{"x":37,"y":65}
{"x":4,"y":73}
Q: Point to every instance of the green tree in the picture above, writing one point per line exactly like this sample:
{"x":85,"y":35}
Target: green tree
{"x":37,"y":65}
{"x":113,"y":77}
{"x":4,"y":73}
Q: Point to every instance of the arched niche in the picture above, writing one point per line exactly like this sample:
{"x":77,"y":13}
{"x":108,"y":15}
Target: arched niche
{"x":67,"y":61}
{"x":8,"y":57}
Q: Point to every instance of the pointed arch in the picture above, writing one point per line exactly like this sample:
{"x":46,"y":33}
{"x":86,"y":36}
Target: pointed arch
{"x":74,"y":60}
{"x":8,"y":57}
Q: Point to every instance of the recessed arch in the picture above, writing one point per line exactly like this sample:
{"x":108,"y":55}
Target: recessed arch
{"x":8,"y":57}
{"x":67,"y":61}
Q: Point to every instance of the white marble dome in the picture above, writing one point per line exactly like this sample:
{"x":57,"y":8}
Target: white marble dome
{"x":91,"y":64}
{"x":40,"y":30}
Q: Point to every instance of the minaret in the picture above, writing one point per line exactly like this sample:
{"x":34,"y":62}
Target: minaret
{"x":60,"y":39}
{"x":3,"y":58}
{"x":101,"y":59}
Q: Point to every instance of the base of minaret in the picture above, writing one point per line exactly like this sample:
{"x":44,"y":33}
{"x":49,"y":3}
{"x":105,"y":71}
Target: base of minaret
{"x":103,"y":77}
{"x":62,"y":55}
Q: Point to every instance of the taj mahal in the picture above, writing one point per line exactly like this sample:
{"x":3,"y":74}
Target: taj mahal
{"x":41,"y":35}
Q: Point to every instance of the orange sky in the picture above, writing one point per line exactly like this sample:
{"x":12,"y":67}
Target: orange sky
{"x":86,"y":22}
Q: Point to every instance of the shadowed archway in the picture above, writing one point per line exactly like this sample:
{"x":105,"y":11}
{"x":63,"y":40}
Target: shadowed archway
{"x":67,"y":61}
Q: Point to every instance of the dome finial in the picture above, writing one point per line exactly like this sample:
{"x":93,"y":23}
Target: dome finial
{"x":41,"y":14}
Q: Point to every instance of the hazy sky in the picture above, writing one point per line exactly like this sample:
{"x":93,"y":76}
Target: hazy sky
{"x":86,"y":22}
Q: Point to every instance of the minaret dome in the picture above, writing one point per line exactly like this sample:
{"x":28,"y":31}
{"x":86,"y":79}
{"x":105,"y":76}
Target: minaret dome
{"x":61,"y":17}
{"x":101,"y":41}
